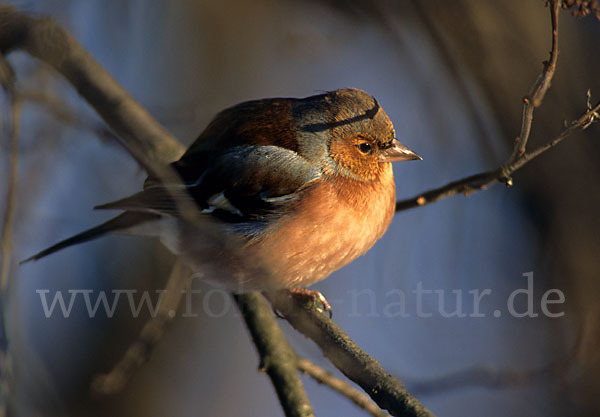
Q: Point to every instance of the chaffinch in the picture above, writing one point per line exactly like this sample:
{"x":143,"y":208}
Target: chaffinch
{"x":290,"y":191}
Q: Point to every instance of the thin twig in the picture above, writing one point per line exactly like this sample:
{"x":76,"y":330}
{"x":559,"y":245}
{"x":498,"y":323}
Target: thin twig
{"x":463,"y":186}
{"x":519,"y":156}
{"x":347,"y":356}
{"x":502,"y":174}
{"x":11,"y":191}
{"x":538,"y":90}
{"x":277,"y":358}
{"x":589,"y":117}
{"x":340,"y":386}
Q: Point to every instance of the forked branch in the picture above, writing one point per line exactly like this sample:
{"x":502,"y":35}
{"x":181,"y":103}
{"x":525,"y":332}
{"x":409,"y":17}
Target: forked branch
{"x":519,"y":156}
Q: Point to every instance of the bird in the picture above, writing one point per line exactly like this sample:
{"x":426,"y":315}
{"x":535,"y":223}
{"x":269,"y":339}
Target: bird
{"x":284,"y":190}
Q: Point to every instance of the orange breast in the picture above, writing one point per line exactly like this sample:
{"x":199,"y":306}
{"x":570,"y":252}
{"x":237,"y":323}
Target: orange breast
{"x":334,"y":223}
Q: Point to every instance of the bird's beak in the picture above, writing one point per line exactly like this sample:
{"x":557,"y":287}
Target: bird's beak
{"x":398,"y":152}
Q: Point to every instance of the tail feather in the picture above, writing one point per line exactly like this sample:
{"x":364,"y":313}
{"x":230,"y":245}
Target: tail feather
{"x":122,"y":221}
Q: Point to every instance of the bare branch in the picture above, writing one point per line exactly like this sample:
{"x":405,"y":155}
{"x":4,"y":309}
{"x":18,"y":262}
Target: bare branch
{"x":539,"y":88}
{"x":463,"y":186}
{"x":342,"y":387}
{"x":347,"y":356}
{"x":591,"y":116}
{"x":145,"y":140}
{"x":11,"y":192}
{"x":519,"y":156}
{"x":277,"y":358}
{"x":44,"y":39}
{"x":7,"y":82}
{"x":483,"y":180}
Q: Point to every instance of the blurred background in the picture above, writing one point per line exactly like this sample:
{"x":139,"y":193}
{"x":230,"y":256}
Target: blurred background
{"x":451,"y":76}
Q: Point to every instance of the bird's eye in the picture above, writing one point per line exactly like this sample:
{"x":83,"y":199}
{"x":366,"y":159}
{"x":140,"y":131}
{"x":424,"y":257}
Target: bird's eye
{"x":365,"y":148}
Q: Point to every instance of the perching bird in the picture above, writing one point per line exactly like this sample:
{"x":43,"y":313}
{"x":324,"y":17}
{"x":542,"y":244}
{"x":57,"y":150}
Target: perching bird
{"x":289,"y":190}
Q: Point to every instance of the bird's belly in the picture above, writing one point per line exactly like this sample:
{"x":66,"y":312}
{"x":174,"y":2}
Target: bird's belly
{"x":309,"y":252}
{"x":299,"y":250}
{"x":307,"y":247}
{"x":300,"y":258}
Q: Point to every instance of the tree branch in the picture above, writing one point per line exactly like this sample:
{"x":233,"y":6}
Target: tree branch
{"x":145,"y":140}
{"x":519,"y":156}
{"x":540,"y":86}
{"x":7,"y":82}
{"x":347,"y":356}
{"x":342,"y":387}
{"x":47,"y":41}
{"x":503,"y":173}
{"x":11,"y":189}
{"x":277,"y":358}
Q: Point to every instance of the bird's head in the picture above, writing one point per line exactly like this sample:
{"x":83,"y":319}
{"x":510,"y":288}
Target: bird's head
{"x":358,"y":134}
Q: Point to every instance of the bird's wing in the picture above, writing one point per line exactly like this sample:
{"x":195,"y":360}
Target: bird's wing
{"x":240,"y":184}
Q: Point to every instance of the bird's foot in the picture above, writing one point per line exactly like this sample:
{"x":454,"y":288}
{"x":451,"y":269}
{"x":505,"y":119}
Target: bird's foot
{"x":314,"y":296}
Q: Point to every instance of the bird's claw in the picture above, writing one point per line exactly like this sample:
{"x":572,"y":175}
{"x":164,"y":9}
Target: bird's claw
{"x":313,"y":296}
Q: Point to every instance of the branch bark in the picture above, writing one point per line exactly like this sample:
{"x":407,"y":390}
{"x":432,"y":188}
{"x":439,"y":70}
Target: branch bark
{"x":388,"y":392}
{"x":11,"y":190}
{"x":277,"y":358}
{"x":342,"y":387}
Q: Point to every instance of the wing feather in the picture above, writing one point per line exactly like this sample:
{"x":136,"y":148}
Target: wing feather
{"x":241,"y":184}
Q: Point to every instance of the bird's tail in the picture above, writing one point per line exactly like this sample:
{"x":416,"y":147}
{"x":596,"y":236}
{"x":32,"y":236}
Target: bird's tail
{"x":121,"y":222}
